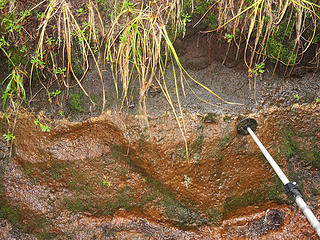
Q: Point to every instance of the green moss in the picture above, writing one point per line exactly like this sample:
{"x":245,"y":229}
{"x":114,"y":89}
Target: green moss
{"x":215,"y":217}
{"x":210,"y":118}
{"x":80,"y":182}
{"x":17,"y":57}
{"x":15,"y":216}
{"x":275,"y":192}
{"x":76,"y":102}
{"x":223,"y":142}
{"x":314,"y":191}
{"x":56,"y":171}
{"x":44,"y":235}
{"x":267,"y":193}
{"x":9,"y":213}
{"x":284,"y":51}
{"x":227,"y":118}
{"x":289,"y":146}
{"x":124,"y":200}
{"x":77,"y":67}
{"x":182,"y":215}
{"x":316,"y":158}
{"x":179,"y":213}
{"x":78,"y":205}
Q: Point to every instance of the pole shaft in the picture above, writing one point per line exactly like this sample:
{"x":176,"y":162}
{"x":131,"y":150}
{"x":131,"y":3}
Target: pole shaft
{"x":300,"y":202}
{"x":273,"y":163}
{"x":309,"y":214}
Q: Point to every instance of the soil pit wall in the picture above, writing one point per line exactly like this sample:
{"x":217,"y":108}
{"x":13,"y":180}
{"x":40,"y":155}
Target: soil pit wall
{"x":115,"y":178}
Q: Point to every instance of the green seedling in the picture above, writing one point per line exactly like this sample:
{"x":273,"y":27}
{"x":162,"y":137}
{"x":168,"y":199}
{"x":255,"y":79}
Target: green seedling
{"x":40,"y":15}
{"x":260,"y":67}
{"x":185,"y":18}
{"x":36,"y":122}
{"x":8,"y":136}
{"x":296,"y":96}
{"x":44,"y":128}
{"x":61,"y":113}
{"x":60,"y":70}
{"x":228,"y":37}
{"x":3,"y":42}
{"x":127,"y":4}
{"x":23,"y":49}
{"x":123,"y":38}
{"x":24,"y":14}
{"x":81,"y":11}
{"x":50,"y":41}
{"x":55,"y":94}
{"x":317,"y":100}
{"x":106,"y":183}
{"x":36,"y":60}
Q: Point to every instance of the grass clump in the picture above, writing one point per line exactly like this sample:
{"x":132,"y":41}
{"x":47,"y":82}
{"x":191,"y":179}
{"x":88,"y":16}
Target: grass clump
{"x":280,"y":32}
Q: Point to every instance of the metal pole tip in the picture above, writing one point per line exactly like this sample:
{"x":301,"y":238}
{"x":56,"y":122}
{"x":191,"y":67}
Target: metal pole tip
{"x":244,"y":124}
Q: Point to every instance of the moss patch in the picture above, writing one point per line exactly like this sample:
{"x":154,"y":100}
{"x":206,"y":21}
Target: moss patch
{"x":223,"y":142}
{"x":77,"y":205}
{"x":268,"y":193}
{"x":215,"y":217}
{"x":290,"y":146}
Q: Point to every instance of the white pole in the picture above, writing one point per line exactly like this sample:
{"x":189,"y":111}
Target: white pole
{"x":300,"y":202}
{"x":309,"y":214}
{"x":273,"y":163}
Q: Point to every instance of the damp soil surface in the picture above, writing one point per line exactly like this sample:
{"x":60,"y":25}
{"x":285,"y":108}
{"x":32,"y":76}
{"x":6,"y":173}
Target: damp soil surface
{"x":207,"y":61}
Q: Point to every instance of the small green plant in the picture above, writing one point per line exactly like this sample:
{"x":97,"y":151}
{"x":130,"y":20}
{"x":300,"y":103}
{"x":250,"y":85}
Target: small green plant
{"x":185,"y":17}
{"x":10,"y":23}
{"x":55,"y":93}
{"x":106,"y":183}
{"x":296,"y":96}
{"x":3,"y":3}
{"x":60,"y":70}
{"x":187,"y":181}
{"x":36,"y":60}
{"x":50,"y":41}
{"x":127,"y":4}
{"x":40,"y":15}
{"x":61,"y":113}
{"x":24,"y":14}
{"x":43,"y":127}
{"x":228,"y":37}
{"x":36,"y":122}
{"x":317,"y":100}
{"x":81,"y":11}
{"x":8,"y":136}
{"x":260,"y":68}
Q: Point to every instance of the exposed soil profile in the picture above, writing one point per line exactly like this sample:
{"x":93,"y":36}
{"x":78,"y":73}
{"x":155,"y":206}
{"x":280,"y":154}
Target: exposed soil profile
{"x":112,"y":176}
